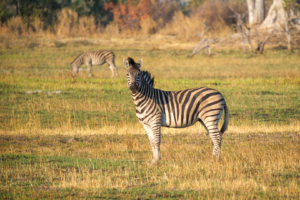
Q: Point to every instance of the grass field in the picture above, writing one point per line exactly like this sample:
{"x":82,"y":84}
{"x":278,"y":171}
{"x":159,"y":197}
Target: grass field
{"x":85,"y":142}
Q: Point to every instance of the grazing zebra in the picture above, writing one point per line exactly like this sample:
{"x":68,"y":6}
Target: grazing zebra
{"x":91,"y":58}
{"x":156,"y":108}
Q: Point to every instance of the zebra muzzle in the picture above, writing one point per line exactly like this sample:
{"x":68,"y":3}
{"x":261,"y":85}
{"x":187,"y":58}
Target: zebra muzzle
{"x":74,"y":73}
{"x":133,"y":86}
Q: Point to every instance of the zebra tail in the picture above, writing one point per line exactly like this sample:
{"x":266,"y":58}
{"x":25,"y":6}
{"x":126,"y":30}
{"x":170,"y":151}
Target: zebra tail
{"x":225,"y":124}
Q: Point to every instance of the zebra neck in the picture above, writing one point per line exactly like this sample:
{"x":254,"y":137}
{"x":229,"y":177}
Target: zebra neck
{"x":81,"y":59}
{"x":145,"y":91}
{"x":78,"y":61}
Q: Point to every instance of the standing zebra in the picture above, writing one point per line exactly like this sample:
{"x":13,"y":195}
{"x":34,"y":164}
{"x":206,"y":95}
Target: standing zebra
{"x":91,"y":58}
{"x":156,"y":108}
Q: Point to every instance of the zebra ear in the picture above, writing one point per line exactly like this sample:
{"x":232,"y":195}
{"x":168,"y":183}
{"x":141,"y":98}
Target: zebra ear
{"x":125,"y":63}
{"x":140,"y":62}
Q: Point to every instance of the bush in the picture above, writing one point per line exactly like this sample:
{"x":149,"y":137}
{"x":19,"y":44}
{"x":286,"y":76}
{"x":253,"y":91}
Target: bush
{"x":87,"y":25}
{"x":148,"y":26}
{"x":67,"y":22}
{"x":16,"y":27}
{"x":112,"y":29}
{"x":211,"y":19}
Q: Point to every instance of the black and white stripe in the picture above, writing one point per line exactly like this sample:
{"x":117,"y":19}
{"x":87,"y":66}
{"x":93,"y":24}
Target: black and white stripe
{"x":156,"y":108}
{"x":91,"y":58}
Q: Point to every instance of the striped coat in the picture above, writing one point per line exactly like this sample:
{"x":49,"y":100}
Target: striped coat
{"x":91,"y":58}
{"x":156,"y":108}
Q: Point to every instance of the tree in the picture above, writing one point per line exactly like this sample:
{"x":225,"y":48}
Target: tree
{"x":49,"y":11}
{"x":280,"y":16}
{"x":82,"y":7}
{"x":127,"y":15}
{"x":29,"y":9}
{"x":5,"y":14}
{"x":101,"y":15}
{"x":276,"y":17}
{"x":256,"y":10}
{"x":96,"y":8}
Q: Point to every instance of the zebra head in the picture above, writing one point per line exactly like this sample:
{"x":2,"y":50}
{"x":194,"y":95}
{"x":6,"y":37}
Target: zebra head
{"x":74,"y":69}
{"x":133,"y":73}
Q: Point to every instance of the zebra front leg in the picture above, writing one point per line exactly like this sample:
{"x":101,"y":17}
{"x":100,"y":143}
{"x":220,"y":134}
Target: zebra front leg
{"x":89,"y":69}
{"x":216,"y":139}
{"x":153,"y":133}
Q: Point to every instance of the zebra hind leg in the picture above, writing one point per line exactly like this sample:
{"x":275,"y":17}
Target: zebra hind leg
{"x":112,"y":68}
{"x":116,"y":70}
{"x":216,"y":139}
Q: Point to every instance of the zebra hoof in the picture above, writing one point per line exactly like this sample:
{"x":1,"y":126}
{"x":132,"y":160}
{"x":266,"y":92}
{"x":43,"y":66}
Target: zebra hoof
{"x":216,"y":158}
{"x":154,"y":162}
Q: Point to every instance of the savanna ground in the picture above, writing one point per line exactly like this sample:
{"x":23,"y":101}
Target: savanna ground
{"x":85,"y":142}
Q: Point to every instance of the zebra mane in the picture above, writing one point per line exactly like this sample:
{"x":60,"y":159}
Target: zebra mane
{"x":148,"y":78}
{"x":75,"y":60}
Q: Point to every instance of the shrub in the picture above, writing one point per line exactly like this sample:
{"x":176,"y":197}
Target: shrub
{"x":148,"y":26}
{"x":15,"y":26}
{"x":67,"y":22}
{"x":112,"y":29}
{"x":87,"y":25}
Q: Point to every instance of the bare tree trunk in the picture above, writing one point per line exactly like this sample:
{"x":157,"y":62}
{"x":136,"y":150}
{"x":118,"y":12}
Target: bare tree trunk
{"x":279,"y":20}
{"x":288,"y":35}
{"x":207,"y":49}
{"x":242,"y":39}
{"x":99,"y":26}
{"x":276,"y":17}
{"x":256,"y":10}
{"x":247,"y":35}
{"x":18,"y":7}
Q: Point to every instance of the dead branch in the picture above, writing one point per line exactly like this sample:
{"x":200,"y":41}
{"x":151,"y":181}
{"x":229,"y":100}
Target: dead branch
{"x":242,"y":39}
{"x":206,"y":47}
{"x":247,"y":35}
{"x":240,"y":24}
{"x":261,"y":44}
{"x":288,"y":35}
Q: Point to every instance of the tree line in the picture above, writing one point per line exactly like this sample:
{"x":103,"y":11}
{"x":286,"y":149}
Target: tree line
{"x":149,"y":16}
{"x":126,"y":13}
{"x":47,"y":10}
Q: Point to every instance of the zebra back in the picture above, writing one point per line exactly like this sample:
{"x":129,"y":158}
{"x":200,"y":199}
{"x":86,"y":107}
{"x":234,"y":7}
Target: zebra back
{"x":99,"y":57}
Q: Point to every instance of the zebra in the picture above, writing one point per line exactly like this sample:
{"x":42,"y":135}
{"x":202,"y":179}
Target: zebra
{"x":91,"y":58}
{"x":157,"y":108}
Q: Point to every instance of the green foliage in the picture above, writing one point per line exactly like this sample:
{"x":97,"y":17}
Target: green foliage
{"x":291,"y":4}
{"x":102,"y":16}
{"x":46,"y":10}
{"x":30,"y":9}
{"x":5,"y":14}
{"x":83,"y":7}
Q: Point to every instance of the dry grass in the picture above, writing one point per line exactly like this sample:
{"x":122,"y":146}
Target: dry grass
{"x":252,"y":166}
